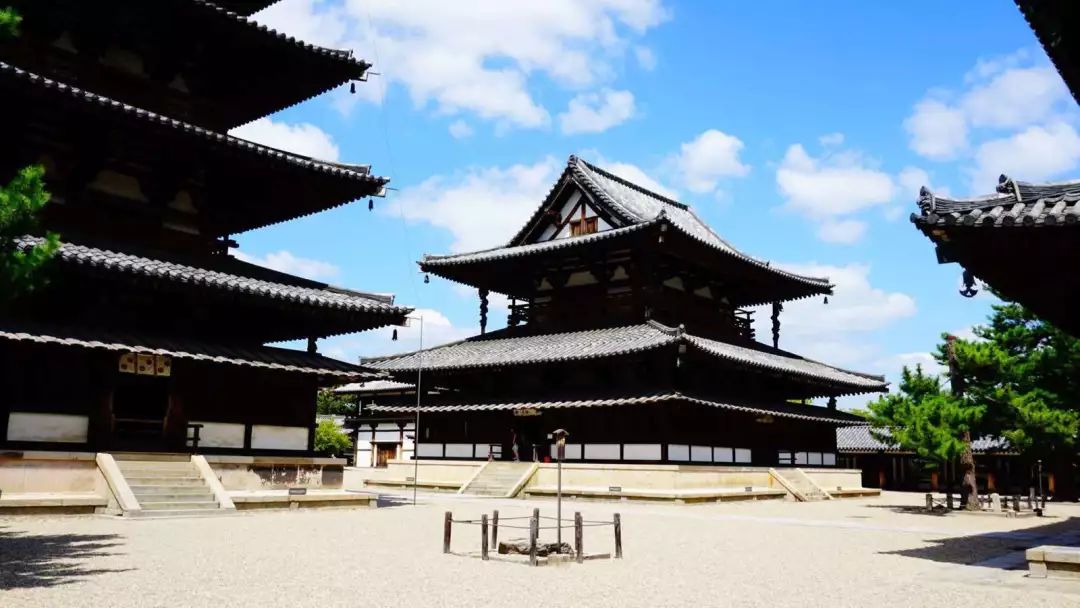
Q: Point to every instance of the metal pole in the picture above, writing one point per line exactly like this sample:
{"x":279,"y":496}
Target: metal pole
{"x":558,"y":501}
{"x":1042,"y":497}
{"x":416,"y":424}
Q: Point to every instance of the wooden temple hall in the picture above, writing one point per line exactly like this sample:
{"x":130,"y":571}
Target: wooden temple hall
{"x":149,"y":330}
{"x":629,"y":327}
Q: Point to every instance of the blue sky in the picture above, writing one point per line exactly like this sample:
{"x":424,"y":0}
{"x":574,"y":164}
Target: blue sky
{"x":800,"y":131}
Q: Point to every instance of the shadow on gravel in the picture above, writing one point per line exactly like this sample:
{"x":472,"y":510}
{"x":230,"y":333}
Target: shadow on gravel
{"x":1002,"y":550}
{"x":911,"y":509}
{"x":42,"y":560}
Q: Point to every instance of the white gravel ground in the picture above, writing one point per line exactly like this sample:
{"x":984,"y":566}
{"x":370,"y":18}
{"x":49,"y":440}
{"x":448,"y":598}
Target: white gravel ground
{"x":844,"y":553}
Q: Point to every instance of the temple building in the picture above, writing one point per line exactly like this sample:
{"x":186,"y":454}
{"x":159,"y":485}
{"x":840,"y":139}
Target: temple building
{"x":996,"y":237}
{"x":149,"y":333}
{"x":629,"y":328}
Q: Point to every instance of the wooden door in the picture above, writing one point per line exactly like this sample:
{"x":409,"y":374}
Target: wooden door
{"x":383,"y":453}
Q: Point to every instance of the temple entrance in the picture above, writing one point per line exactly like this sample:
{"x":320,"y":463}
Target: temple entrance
{"x":139,"y":408}
{"x":531,"y":436}
{"x":384,"y":452}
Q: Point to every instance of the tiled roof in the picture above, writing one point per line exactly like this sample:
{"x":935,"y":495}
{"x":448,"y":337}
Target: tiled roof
{"x":344,"y":56}
{"x":784,"y":410}
{"x":636,"y":207}
{"x":503,"y":253}
{"x":133,"y":264}
{"x":859,"y":438}
{"x":245,"y":7}
{"x":251,"y":356}
{"x":1015,"y":204}
{"x":360,"y":173}
{"x":373,"y":386}
{"x":786,"y":363}
{"x":484,"y":351}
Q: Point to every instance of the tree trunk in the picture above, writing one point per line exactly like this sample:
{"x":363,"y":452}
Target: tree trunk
{"x":969,"y":487}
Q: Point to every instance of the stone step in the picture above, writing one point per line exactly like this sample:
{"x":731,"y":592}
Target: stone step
{"x":185,"y":505}
{"x":162,"y":464}
{"x":174,"y":513}
{"x":155,"y":498}
{"x":166,"y":489}
{"x":156,"y":472}
{"x":141,"y":480}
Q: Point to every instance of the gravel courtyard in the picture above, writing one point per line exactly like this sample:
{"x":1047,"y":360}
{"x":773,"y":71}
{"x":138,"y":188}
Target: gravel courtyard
{"x":844,"y":553}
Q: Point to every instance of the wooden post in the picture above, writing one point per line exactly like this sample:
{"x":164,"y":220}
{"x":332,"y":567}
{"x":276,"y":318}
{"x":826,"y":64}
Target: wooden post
{"x":534,"y":531}
{"x":1016,"y":502}
{"x":495,"y":530}
{"x":579,"y":551}
{"x":447,"y":523}
{"x":483,"y":537}
{"x":948,"y":499}
{"x":929,"y":502}
{"x":1031,"y":497}
{"x":618,"y":536}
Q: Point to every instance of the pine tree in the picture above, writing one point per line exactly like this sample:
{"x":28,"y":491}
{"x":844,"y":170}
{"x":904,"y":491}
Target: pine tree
{"x":20,"y":201}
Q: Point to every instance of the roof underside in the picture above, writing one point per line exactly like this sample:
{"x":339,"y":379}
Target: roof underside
{"x":251,"y":185}
{"x":1016,"y":241}
{"x":633,"y":210}
{"x":263,"y":357}
{"x":1057,"y":25}
{"x":488,"y":352}
{"x":241,"y":70}
{"x":783,"y":410}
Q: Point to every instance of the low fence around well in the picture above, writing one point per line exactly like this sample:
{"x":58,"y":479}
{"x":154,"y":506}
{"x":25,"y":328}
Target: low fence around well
{"x":534,"y":527}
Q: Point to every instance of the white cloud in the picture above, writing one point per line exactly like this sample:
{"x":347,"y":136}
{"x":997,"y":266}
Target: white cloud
{"x":438,"y":330}
{"x":1034,"y":154}
{"x":937,"y":130}
{"x":892,"y":364}
{"x":303,"y":138}
{"x":842,"y":332}
{"x":1016,"y":97}
{"x":831,"y":139}
{"x":830,"y":186}
{"x":842,"y":232}
{"x":285,"y":261}
{"x":460,"y":129}
{"x":597,"y":112}
{"x":481,"y":207}
{"x":705,"y":160}
{"x":911,"y":180}
{"x":1004,"y":92}
{"x":645,"y":58}
{"x":477,"y":56}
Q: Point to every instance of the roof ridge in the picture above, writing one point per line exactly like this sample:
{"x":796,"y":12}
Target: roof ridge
{"x":629,"y":184}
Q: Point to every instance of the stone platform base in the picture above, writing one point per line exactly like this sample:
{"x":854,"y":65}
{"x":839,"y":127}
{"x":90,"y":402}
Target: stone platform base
{"x":51,"y":503}
{"x":279,"y":499}
{"x":676,"y":496}
{"x":1049,"y":561}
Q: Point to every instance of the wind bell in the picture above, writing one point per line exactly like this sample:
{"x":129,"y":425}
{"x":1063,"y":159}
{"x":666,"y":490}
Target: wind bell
{"x":393,"y":336}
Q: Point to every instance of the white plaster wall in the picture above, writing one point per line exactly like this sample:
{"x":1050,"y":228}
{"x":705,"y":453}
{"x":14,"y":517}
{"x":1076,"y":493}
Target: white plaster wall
{"x":221,"y":434}
{"x":59,"y":428}
{"x":269,"y":437}
{"x":641,"y":451}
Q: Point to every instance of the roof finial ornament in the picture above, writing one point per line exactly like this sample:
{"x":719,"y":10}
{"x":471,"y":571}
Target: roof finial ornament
{"x":1008,"y":185}
{"x":969,"y":289}
{"x":926,"y":194}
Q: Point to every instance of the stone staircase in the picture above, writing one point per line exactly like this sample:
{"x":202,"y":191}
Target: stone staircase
{"x":501,"y":479}
{"x":169,"y":488}
{"x":799,"y":485}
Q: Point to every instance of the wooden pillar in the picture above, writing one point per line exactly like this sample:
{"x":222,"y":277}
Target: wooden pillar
{"x":448,"y":523}
{"x":934,"y":481}
{"x":777,"y":308}
{"x":483,"y":309}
